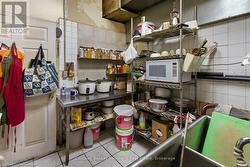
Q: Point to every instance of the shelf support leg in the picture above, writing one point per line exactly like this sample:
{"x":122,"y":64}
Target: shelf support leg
{"x":131,"y":27}
{"x":181,"y":84}
{"x":181,"y":106}
{"x":67,"y":135}
{"x":60,"y":124}
{"x":181,"y":68}
{"x":196,"y":103}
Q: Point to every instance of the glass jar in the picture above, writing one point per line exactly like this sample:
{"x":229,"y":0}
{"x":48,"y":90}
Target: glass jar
{"x":89,"y":53}
{"x":81,"y":52}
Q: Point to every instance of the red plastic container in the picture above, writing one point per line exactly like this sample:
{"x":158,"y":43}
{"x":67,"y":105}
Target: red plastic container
{"x":124,"y":139}
{"x":96,"y":131}
{"x":124,"y":117}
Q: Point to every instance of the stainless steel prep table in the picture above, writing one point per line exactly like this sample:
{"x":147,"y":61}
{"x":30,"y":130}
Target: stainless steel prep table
{"x":66,"y":102}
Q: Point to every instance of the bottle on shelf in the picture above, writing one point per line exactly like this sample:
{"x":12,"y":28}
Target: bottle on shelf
{"x":174,"y":15}
{"x":176,"y":126}
{"x":63,"y":90}
{"x":142,"y":121}
{"x":88,"y":138}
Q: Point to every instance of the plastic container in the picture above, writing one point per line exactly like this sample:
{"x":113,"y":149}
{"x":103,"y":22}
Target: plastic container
{"x":124,"y":139}
{"x":107,"y":110}
{"x":109,"y":103}
{"x":96,"y":131}
{"x":124,"y":117}
{"x":88,"y":138}
{"x":190,"y":63}
{"x":75,"y":139}
{"x":142,"y":121}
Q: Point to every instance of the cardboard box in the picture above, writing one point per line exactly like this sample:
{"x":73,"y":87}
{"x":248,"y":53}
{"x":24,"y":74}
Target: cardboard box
{"x":160,"y":130}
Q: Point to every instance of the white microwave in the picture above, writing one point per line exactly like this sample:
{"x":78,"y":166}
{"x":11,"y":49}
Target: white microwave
{"x":166,"y":71}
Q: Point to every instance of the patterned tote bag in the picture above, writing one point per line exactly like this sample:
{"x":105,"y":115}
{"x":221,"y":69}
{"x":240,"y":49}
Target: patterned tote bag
{"x":37,"y":78}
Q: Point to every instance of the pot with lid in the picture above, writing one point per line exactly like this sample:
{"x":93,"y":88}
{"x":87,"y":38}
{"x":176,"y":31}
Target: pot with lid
{"x":158,"y":105}
{"x":104,"y":85}
{"x":86,"y":86}
{"x":89,"y":114}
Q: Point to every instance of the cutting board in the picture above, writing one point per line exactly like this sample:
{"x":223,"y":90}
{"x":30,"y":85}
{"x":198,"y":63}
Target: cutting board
{"x":223,"y":132}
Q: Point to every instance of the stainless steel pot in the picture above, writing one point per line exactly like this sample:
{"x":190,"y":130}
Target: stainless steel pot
{"x":163,"y":93}
{"x":158,"y":105}
{"x":89,"y":114}
{"x":86,"y":87}
{"x":104,"y":86}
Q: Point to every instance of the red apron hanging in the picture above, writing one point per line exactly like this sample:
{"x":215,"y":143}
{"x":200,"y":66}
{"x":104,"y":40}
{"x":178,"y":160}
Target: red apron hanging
{"x":13,"y":91}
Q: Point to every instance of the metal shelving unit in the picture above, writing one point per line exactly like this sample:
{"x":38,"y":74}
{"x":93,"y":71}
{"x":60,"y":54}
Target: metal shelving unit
{"x":176,"y":31}
{"x":169,"y":85}
{"x":66,"y":102}
{"x":168,"y":114}
{"x":86,"y":124}
{"x":143,"y":135}
{"x":158,"y":58}
{"x":100,"y":60}
{"x":118,"y":75}
{"x":168,"y":33}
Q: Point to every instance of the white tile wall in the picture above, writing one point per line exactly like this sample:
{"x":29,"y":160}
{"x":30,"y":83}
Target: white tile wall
{"x":71,"y":43}
{"x":220,"y":98}
{"x":225,"y":92}
{"x":221,"y":39}
{"x":233,"y":38}
{"x":221,"y":27}
{"x":71,"y":49}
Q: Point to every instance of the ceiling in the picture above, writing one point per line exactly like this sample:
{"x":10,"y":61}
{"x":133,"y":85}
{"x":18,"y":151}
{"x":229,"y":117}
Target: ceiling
{"x":138,"y":5}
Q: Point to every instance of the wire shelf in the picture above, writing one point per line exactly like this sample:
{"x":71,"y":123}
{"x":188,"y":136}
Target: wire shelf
{"x":168,"y":114}
{"x":169,"y":85}
{"x":167,"y":33}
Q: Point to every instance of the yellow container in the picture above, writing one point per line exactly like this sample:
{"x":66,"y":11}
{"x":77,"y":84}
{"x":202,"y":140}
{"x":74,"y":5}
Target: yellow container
{"x":76,"y":115}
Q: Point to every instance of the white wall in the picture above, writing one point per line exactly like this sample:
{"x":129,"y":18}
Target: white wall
{"x":233,"y":38}
{"x":49,"y":10}
{"x":89,"y":12}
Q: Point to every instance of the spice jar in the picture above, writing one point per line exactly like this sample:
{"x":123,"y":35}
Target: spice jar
{"x":85,"y":50}
{"x":114,"y":69}
{"x":119,"y":69}
{"x":81,"y":52}
{"x":109,"y":69}
{"x":93,"y":53}
{"x":120,"y":84}
{"x":125,"y":68}
{"x":118,"y":55}
{"x":89,"y":53}
{"x":98,"y":53}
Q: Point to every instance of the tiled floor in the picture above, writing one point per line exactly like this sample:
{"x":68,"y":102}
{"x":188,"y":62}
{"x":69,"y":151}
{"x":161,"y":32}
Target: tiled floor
{"x":104,"y":153}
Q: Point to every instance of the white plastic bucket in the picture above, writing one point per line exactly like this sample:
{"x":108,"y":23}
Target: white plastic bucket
{"x":124,"y":139}
{"x":124,"y":116}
